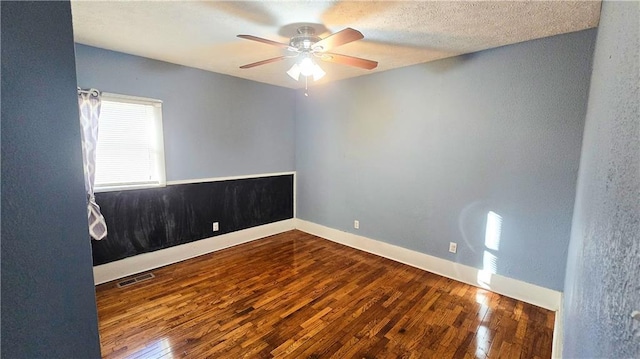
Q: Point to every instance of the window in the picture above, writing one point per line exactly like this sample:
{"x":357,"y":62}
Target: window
{"x":130,"y":151}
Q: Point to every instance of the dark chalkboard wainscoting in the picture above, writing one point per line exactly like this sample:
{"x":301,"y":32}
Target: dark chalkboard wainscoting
{"x":147,"y":220}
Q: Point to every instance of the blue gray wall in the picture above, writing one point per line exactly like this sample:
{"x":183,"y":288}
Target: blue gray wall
{"x":214,"y":125}
{"x":48,"y":299}
{"x":420,"y":155}
{"x":603,"y":271}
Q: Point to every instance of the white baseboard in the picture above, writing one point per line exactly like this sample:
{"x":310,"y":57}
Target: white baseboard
{"x":513,"y":288}
{"x":147,"y":261}
{"x":558,"y":333}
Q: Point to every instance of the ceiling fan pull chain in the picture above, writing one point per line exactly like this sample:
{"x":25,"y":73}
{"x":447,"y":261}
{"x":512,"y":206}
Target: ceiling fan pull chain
{"x":306,"y":86}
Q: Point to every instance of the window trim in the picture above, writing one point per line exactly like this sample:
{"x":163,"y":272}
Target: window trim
{"x":162,"y":174}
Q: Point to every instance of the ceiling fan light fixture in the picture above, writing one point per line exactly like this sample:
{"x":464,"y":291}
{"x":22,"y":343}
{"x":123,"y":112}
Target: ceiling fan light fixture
{"x":307,"y":66}
{"x":294,"y":72}
{"x":318,"y":73}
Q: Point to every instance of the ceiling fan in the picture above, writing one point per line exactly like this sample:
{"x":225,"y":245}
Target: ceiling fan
{"x":306,"y":46}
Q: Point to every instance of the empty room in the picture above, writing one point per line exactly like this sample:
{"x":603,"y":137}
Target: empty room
{"x":320,"y":179}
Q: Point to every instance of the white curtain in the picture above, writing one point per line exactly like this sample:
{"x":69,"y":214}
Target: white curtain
{"x":89,"y":106}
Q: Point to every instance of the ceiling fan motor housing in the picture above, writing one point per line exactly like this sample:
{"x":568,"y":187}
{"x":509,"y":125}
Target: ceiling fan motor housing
{"x":305,"y":39}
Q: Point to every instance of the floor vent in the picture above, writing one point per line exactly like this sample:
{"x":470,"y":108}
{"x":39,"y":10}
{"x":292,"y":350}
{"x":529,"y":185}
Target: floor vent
{"x":136,"y":279}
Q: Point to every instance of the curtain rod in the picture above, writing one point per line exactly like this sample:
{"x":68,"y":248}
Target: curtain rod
{"x":92,"y":92}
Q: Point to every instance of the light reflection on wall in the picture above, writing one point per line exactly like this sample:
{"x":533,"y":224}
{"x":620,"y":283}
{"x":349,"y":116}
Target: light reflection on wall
{"x":493,"y":231}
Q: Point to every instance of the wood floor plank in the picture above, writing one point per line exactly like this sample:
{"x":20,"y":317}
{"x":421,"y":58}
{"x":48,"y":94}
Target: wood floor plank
{"x":295,"y":295}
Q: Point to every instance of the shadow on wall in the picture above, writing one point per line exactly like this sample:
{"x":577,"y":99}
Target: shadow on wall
{"x":447,"y":63}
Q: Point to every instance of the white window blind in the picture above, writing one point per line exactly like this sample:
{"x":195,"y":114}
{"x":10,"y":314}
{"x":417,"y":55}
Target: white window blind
{"x":130,"y":152}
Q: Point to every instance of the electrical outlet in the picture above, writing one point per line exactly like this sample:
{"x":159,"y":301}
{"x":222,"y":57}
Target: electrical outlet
{"x":216,"y":227}
{"x":453,"y":247}
{"x":356,"y":224}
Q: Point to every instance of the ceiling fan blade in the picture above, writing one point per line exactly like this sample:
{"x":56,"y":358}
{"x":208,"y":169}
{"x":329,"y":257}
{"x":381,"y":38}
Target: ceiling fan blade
{"x":264,"y":41}
{"x":349,"y":60}
{"x":263,"y":62}
{"x":337,"y":39}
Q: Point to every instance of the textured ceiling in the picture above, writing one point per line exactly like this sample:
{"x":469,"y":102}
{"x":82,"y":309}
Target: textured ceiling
{"x":396,"y":33}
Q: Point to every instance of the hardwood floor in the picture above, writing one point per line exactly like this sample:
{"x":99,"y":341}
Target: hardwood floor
{"x":295,"y":295}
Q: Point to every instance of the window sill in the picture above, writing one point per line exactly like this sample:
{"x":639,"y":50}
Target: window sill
{"x":129,"y":187}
